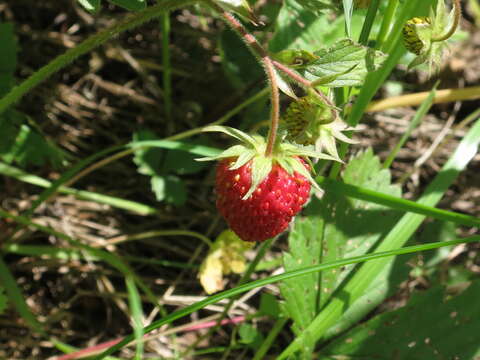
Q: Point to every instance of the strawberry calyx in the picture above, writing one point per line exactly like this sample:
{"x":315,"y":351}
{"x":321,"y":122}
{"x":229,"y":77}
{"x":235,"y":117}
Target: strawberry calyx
{"x":252,"y":148}
{"x":309,"y":121}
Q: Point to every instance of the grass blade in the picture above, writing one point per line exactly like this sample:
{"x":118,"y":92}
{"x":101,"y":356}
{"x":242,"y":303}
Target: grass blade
{"x":129,"y":205}
{"x":368,"y":23}
{"x":16,"y":298}
{"x":394,"y":202}
{"x":421,"y":112}
{"x":137,"y":315}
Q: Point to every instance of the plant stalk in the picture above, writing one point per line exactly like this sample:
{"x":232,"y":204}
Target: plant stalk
{"x":260,"y":53}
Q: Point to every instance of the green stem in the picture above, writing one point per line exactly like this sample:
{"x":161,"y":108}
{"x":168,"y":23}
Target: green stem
{"x":87,"y":45}
{"x":275,"y":100}
{"x":456,"y":20}
{"x":272,"y":335}
{"x":368,"y":23}
{"x":386,"y":22}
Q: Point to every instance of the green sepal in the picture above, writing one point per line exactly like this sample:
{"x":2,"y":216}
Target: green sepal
{"x":261,"y":167}
{"x":328,"y":142}
{"x":253,"y":149}
{"x":233,"y":151}
{"x":243,"y":158}
{"x":295,"y":165}
{"x":237,"y":134}
{"x":303,"y":151}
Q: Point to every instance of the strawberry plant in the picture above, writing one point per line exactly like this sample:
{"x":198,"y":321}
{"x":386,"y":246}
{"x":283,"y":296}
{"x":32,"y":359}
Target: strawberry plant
{"x":330,"y":241}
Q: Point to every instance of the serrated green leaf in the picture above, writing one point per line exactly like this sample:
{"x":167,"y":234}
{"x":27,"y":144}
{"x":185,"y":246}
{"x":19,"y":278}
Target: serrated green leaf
{"x":301,"y":293}
{"x":299,"y":28}
{"x":90,"y":5}
{"x":132,"y":5}
{"x":318,"y":6}
{"x":8,"y":58}
{"x":348,"y":62}
{"x":383,"y":286}
{"x":427,"y":328}
{"x":323,"y":80}
{"x":353,"y":226}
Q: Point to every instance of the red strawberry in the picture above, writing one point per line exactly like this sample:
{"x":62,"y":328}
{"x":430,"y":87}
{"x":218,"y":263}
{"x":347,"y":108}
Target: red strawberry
{"x":270,"y":208}
{"x":257,"y":194}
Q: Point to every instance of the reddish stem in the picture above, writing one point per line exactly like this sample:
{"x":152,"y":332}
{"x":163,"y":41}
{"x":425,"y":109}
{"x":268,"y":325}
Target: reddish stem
{"x":261,"y":53}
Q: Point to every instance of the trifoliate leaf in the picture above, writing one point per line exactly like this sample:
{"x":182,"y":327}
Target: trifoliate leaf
{"x":346,"y":62}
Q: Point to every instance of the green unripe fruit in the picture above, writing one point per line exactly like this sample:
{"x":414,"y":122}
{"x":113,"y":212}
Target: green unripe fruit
{"x":303,"y":120}
{"x":411,"y":38}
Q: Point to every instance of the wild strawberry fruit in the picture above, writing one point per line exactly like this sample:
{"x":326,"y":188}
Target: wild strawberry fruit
{"x":258,"y":195}
{"x":270,"y":208}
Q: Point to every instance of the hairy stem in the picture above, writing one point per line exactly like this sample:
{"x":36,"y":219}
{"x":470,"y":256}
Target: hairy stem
{"x":87,"y":45}
{"x":456,"y":20}
{"x":262,"y":54}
